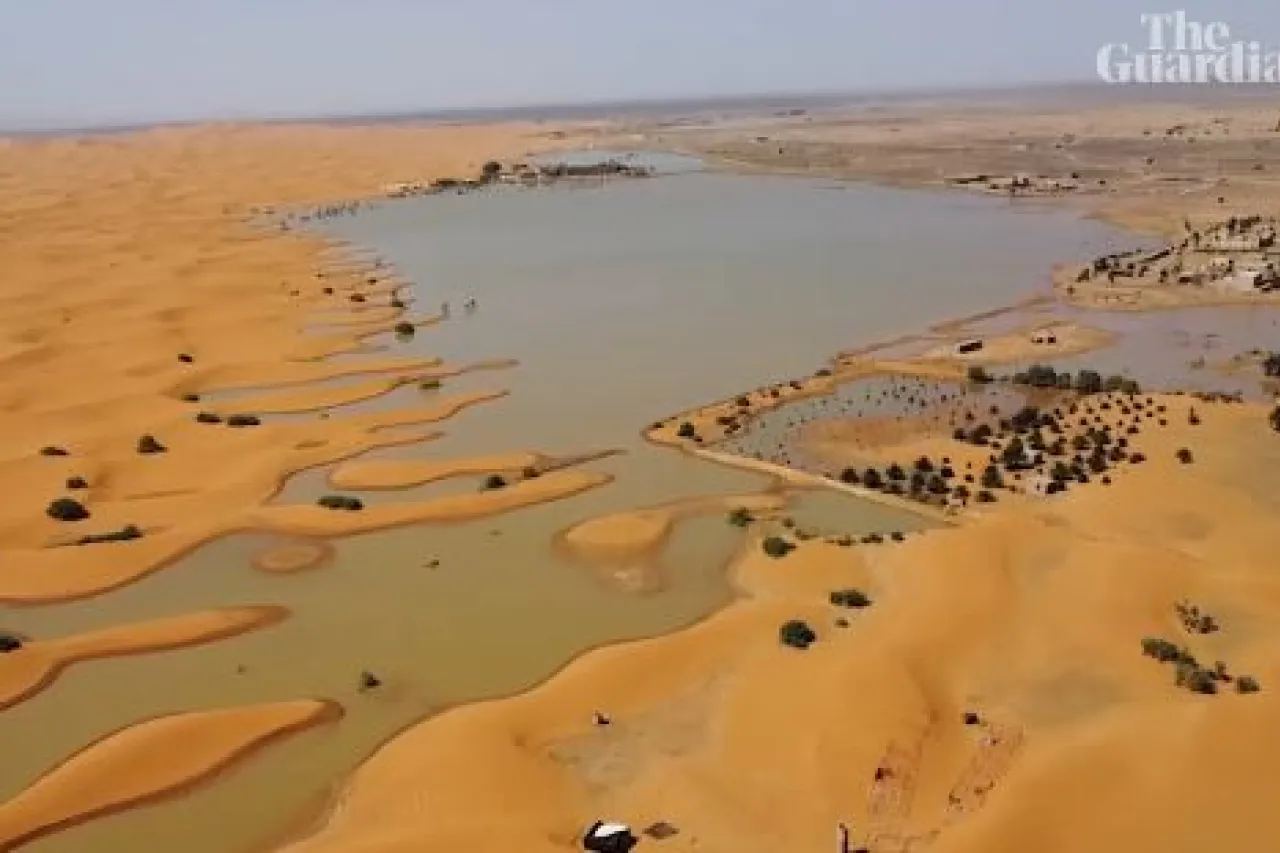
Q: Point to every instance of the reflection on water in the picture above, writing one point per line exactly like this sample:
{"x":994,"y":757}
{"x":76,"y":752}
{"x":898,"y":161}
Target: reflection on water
{"x":623,"y":304}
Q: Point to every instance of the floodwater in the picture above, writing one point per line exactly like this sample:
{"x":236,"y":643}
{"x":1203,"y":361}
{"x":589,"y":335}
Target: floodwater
{"x":624,"y":302}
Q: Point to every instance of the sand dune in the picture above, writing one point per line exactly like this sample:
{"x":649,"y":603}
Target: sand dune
{"x":1030,"y":616}
{"x":148,"y":762}
{"x":317,"y":521}
{"x":32,"y":668}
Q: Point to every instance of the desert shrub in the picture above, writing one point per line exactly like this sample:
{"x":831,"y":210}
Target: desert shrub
{"x":125,"y":534}
{"x":1274,"y":419}
{"x":777,"y":547}
{"x":1113,"y":382}
{"x":1184,"y":456}
{"x":796,"y":634}
{"x":936,"y":485}
{"x":530,"y":472}
{"x":924,"y":465}
{"x":872,"y":479}
{"x":493,"y":481}
{"x":852,"y":598}
{"x":1137,"y":458}
{"x":52,"y":451}
{"x":397,"y":303}
{"x":1089,"y":382}
{"x":992,"y":478}
{"x":185,"y":358}
{"x":916,"y":483}
{"x":1247,"y":684}
{"x":971,"y":719}
{"x":357,"y":297}
{"x":9,"y":643}
{"x":341,"y":502}
{"x":1162,"y":650}
{"x":67,"y":509}
{"x":405,"y":329}
{"x":243,"y":421}
{"x":1014,"y":454}
{"x":429,"y":384}
{"x":985,"y":497}
{"x":740,"y":517}
{"x":894,"y":472}
{"x":960,"y":434}
{"x":208,"y":418}
{"x":978,"y":375}
{"x":191,"y":398}
{"x":686,"y":430}
{"x":490,"y":170}
{"x":850,"y":475}
{"x":149,"y":444}
{"x":1198,"y":680}
{"x":77,"y":483}
{"x":743,"y":402}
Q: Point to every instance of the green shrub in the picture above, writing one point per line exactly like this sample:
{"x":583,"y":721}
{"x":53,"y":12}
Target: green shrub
{"x":67,"y":509}
{"x":851,"y":598}
{"x":341,"y":502}
{"x":493,"y":481}
{"x":777,"y":547}
{"x":149,"y":444}
{"x":125,"y":534}
{"x":796,"y":634}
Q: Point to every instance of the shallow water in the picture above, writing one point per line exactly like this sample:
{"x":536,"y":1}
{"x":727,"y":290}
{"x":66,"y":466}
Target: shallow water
{"x":623,"y":302}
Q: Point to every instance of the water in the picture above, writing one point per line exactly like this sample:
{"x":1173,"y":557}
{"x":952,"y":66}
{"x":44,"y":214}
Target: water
{"x":624,"y":303}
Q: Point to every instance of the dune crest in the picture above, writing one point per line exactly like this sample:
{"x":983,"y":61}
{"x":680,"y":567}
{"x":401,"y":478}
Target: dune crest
{"x":150,"y":761}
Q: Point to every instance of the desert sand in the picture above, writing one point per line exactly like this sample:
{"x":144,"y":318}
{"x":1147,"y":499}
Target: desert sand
{"x":298,"y":555}
{"x":134,"y":287}
{"x":1029,"y":616}
{"x":148,"y":762}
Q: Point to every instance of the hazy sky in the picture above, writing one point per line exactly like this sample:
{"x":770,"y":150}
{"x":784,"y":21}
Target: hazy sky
{"x":83,"y":62}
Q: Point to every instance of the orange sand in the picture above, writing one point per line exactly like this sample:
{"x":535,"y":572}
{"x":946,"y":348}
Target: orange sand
{"x":150,"y":761}
{"x":35,"y":666}
{"x":1031,"y":616}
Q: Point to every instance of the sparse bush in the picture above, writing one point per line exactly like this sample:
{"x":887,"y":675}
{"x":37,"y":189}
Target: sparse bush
{"x":1184,"y":456}
{"x":429,"y":385}
{"x":796,"y":634}
{"x":777,"y":547}
{"x":686,"y":430}
{"x":9,"y":643}
{"x":1162,"y":650}
{"x":1247,"y":684}
{"x":67,"y":509}
{"x":208,"y":418}
{"x":185,"y":358}
{"x":851,"y":598}
{"x":895,"y":473}
{"x":978,"y":375}
{"x":125,"y":534}
{"x":872,"y":479}
{"x":149,"y":444}
{"x":493,"y":481}
{"x":405,"y":329}
{"x":850,"y":475}
{"x":191,"y":398}
{"x":52,"y":451}
{"x":740,"y":517}
{"x":77,"y":483}
{"x":341,"y":502}
{"x":244,"y":421}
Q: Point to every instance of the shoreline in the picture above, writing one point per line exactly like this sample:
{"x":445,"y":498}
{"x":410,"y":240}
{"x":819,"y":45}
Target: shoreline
{"x":340,"y":787}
